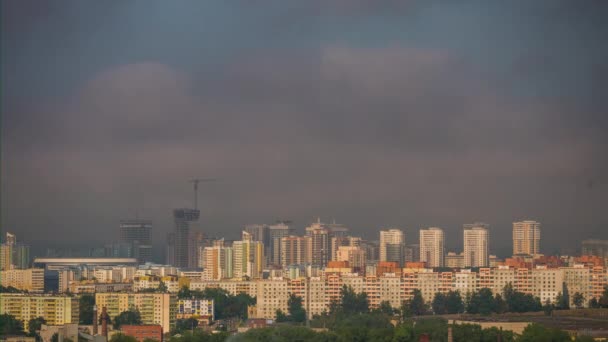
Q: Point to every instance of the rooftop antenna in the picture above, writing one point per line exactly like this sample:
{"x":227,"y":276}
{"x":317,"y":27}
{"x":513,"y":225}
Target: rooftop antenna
{"x":196,"y":181}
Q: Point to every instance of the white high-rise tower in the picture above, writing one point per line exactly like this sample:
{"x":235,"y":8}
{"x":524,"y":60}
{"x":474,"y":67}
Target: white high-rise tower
{"x":432,"y":246}
{"x":476,"y":245}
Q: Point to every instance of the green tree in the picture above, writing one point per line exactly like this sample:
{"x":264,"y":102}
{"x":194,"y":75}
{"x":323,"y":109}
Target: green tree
{"x":565,"y":300}
{"x":386,"y":308}
{"x":520,"y":302}
{"x":405,"y":310}
{"x":55,"y":337}
{"x":417,"y":305}
{"x":603,"y":301}
{"x":9,"y":325}
{"x":296,"y":310}
{"x":162,"y":287}
{"x":86,"y":302}
{"x":500,"y":305}
{"x":578,"y":299}
{"x":593,"y":303}
{"x":538,"y":333}
{"x":454,"y":303}
{"x":119,"y":337}
{"x":467,"y":332}
{"x":481,"y":302}
{"x":404,"y":332}
{"x":281,"y":316}
{"x":351,"y":302}
{"x":439,"y":304}
{"x":184,"y":293}
{"x":185,"y":324}
{"x":34,"y":325}
{"x":129,"y":317}
{"x":492,"y":334}
{"x":548,"y":307}
{"x":436,"y":328}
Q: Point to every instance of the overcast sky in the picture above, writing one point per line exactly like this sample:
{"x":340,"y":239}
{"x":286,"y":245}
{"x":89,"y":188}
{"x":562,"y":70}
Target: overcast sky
{"x":376,"y":113}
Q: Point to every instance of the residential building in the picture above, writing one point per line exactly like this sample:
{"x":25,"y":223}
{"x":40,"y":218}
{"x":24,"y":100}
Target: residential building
{"x":318,"y":244}
{"x":392,"y":246}
{"x":56,"y":310}
{"x":153,"y":282}
{"x":293,"y":250}
{"x":526,"y":238}
{"x":197,"y":308}
{"x":277,"y":231}
{"x":31,"y":279}
{"x":454,"y":260}
{"x":476,"y":245}
{"x":155,"y":308}
{"x":248,"y":256}
{"x":218,"y":262}
{"x":143,"y":332}
{"x":355,"y":256}
{"x":432,"y":247}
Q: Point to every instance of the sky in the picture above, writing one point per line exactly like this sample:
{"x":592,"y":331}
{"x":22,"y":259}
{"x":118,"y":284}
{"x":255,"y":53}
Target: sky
{"x":377,"y":114}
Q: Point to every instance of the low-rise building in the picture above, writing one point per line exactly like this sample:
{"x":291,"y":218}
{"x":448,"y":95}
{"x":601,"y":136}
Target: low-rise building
{"x":143,"y":331}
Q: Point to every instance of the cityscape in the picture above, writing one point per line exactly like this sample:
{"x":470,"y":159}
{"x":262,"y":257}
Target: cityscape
{"x":320,"y":170}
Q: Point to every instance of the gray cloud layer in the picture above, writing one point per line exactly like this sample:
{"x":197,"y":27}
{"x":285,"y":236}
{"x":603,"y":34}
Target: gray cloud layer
{"x":371,"y":135}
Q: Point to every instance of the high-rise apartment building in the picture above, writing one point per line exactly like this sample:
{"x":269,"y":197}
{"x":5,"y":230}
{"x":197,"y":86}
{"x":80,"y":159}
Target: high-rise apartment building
{"x":339,"y":241}
{"x":355,"y":256}
{"x":293,"y":250}
{"x":392,"y":246}
{"x":181,"y":238}
{"x":248,"y":256}
{"x":275,"y":233}
{"x":476,"y":245}
{"x":317,"y":236}
{"x":13,"y":254}
{"x":218,"y":261}
{"x":526,"y":238}
{"x":137,"y":234}
{"x":432,"y":247}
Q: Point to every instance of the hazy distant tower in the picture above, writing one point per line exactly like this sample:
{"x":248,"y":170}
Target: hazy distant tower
{"x":181,"y":249}
{"x":526,"y":237}
{"x":432,"y":246}
{"x":392,"y":246}
{"x":476,"y":245}
{"x":137,"y":234}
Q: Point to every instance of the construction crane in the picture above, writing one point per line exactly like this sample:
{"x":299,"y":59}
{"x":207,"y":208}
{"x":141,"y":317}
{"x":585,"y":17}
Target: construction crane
{"x":196,"y":181}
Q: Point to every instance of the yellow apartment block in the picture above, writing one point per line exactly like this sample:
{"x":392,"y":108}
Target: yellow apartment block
{"x":155,"y":308}
{"x":57,"y":310}
{"x":31,"y":279}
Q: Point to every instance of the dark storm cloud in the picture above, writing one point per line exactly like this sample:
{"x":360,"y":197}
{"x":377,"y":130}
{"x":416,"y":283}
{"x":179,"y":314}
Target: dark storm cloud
{"x":395,"y":134}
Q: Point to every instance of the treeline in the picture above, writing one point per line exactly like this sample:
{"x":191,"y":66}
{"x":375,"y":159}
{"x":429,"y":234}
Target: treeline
{"x":10,"y":289}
